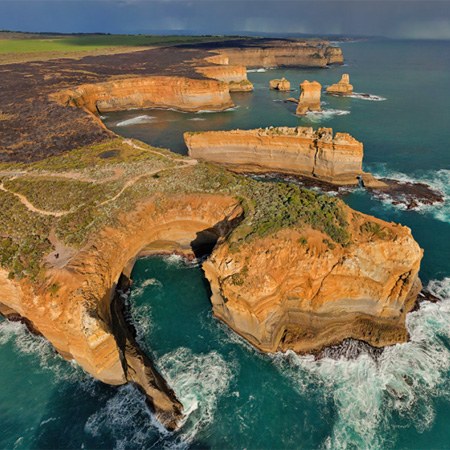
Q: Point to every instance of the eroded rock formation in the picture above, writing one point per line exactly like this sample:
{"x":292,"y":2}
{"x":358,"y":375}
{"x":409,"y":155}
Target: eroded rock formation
{"x":76,"y":312}
{"x":300,"y":151}
{"x":180,"y":93}
{"x":309,"y":97}
{"x":298,"y":290}
{"x":278,"y":53}
{"x":342,"y":87}
{"x":235,"y":76}
{"x":280,"y":84}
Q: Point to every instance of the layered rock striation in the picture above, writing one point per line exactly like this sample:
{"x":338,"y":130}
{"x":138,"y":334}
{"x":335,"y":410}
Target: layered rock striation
{"x":77,"y":310}
{"x":298,"y":290}
{"x":309,"y":97}
{"x":284,"y":53}
{"x":342,"y":87}
{"x":302,"y":151}
{"x":280,"y":84}
{"x":181,"y":93}
{"x":235,"y":76}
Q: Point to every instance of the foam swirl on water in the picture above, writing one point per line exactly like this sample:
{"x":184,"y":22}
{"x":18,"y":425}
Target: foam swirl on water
{"x":403,"y":381}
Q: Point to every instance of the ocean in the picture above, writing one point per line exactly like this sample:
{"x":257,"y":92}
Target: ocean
{"x":235,"y":396}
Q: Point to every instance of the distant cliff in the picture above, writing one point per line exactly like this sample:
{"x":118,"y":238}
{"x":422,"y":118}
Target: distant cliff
{"x":278,"y":53}
{"x":303,"y":151}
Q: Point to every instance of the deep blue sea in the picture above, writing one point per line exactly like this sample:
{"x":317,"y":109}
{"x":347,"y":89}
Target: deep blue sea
{"x":238,"y":398}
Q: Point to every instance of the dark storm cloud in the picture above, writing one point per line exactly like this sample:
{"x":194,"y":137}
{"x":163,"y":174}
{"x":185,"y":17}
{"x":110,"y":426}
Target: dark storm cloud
{"x":393,"y":18}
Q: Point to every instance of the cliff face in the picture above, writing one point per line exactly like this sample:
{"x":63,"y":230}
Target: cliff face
{"x":235,"y":76}
{"x":74,"y":311}
{"x":309,"y":98}
{"x":342,"y":87}
{"x":302,"y":151}
{"x":288,"y":54}
{"x":296,"y":290}
{"x":280,"y":84}
{"x":145,"y":92}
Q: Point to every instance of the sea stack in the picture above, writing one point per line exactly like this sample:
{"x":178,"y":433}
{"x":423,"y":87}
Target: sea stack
{"x":309,"y":98}
{"x":342,"y":87}
{"x":315,"y":154}
{"x":280,"y":85}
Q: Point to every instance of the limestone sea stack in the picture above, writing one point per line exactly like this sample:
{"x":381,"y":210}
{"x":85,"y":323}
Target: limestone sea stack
{"x":309,"y":98}
{"x":280,"y":84}
{"x":297,"y":290}
{"x":299,"y":151}
{"x":235,"y":76}
{"x":342,"y":87}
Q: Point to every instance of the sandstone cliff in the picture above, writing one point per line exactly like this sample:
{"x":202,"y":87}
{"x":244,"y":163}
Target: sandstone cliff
{"x":309,"y":98}
{"x":180,"y":93}
{"x":279,"y":53}
{"x":298,"y":290}
{"x":342,"y":87}
{"x":74,"y":310}
{"x":301,"y":151}
{"x":235,"y":76}
{"x":280,"y":84}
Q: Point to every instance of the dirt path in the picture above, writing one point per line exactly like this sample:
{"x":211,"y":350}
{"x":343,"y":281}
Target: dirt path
{"x":31,"y":207}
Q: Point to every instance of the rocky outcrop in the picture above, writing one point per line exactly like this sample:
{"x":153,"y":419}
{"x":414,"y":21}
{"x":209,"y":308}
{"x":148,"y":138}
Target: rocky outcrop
{"x":180,"y":93}
{"x":342,"y":87}
{"x":235,"y":76}
{"x":77,"y":310}
{"x":280,"y":84}
{"x":309,"y":98}
{"x":301,"y":151}
{"x":298,"y":290}
{"x":284,"y":53}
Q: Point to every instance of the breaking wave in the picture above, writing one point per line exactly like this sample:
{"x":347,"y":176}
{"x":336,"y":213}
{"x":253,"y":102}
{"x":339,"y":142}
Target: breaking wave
{"x":198,"y":380}
{"x":262,"y":69}
{"x":400,"y":384}
{"x":369,"y":97}
{"x":438,"y":180}
{"x":318,"y":116}
{"x":135,"y":121}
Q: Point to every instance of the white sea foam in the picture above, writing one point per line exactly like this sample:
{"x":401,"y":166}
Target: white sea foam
{"x":44,"y":354}
{"x":196,"y":119}
{"x":135,"y":121}
{"x":403,"y":382}
{"x":438,"y":180}
{"x":262,"y":69}
{"x":199,"y":381}
{"x":368,"y":97}
{"x":318,"y":116}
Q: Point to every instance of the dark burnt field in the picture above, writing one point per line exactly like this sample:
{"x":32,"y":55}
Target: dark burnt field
{"x":32,"y":127}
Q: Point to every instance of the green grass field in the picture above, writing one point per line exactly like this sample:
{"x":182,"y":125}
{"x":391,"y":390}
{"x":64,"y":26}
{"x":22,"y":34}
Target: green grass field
{"x":93,"y":42}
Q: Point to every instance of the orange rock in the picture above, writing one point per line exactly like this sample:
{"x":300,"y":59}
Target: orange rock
{"x":343,"y":86}
{"x":298,"y":290}
{"x":301,"y":151}
{"x":309,"y":98}
{"x":146,"y":92}
{"x":280,"y":85}
{"x":235,"y":76}
{"x":282,"y":53}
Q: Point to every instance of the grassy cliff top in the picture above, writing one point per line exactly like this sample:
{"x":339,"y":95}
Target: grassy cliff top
{"x":62,"y":201}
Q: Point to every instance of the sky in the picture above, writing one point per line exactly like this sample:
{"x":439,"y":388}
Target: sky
{"x":410,"y":19}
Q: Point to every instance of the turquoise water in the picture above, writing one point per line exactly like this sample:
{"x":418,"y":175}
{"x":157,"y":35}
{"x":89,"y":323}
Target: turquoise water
{"x":237,"y":397}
